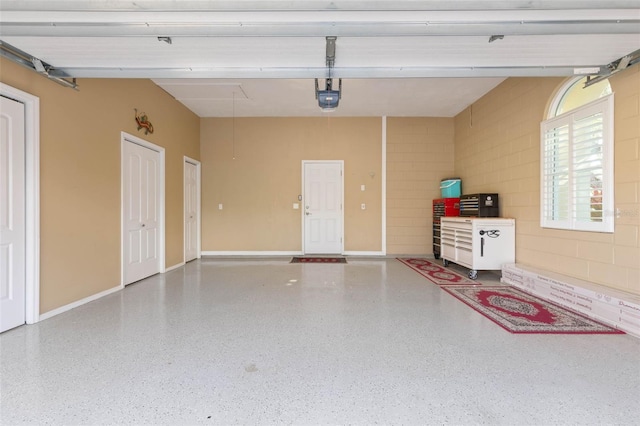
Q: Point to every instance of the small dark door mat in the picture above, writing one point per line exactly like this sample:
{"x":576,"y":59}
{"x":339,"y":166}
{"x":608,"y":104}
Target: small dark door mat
{"x":318,"y":260}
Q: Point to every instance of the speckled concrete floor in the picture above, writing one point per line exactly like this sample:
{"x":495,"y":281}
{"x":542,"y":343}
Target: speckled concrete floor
{"x":267,"y":342}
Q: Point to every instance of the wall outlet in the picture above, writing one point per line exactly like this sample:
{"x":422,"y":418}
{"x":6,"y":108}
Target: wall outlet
{"x":361,"y":187}
{"x":363,"y":206}
{"x":220,"y":206}
{"x":296,"y":206}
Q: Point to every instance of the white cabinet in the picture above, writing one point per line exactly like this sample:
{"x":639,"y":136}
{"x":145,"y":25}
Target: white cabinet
{"x":478,"y":243}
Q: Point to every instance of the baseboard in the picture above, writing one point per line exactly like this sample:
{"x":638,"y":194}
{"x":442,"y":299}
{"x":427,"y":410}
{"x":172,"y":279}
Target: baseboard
{"x":251,"y":253}
{"x":414,"y":256}
{"x":77,"y":303}
{"x":171,"y":268}
{"x":365,"y":253}
{"x":285,"y":253}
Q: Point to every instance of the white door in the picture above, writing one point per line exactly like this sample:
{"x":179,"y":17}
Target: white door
{"x":12,"y":215}
{"x":141,"y":194}
{"x":191,"y":210}
{"x":323,"y":215}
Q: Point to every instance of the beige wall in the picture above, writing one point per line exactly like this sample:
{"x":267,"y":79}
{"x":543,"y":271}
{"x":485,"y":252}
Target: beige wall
{"x":258,"y":188}
{"x":419,"y":155}
{"x":492,"y":145}
{"x":497,"y":143}
{"x":80,"y":176}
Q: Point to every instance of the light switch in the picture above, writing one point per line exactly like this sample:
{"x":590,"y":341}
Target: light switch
{"x":361,"y":187}
{"x":363,"y":206}
{"x":220,"y":206}
{"x":296,"y":206}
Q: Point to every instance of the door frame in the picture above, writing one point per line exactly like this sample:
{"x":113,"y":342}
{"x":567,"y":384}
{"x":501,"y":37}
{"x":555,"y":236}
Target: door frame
{"x":302,"y":209}
{"x":129,"y":138}
{"x":198,"y":206}
{"x":32,"y":188}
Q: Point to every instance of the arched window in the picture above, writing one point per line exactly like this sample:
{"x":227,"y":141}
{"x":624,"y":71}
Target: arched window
{"x":573,"y":95}
{"x":577,"y":159}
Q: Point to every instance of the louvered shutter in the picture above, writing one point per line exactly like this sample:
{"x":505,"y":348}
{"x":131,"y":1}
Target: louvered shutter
{"x":577,"y":168}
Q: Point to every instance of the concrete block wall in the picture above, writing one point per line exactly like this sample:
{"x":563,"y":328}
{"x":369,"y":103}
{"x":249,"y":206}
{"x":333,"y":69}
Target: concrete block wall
{"x":497,"y":149}
{"x":419,"y":155}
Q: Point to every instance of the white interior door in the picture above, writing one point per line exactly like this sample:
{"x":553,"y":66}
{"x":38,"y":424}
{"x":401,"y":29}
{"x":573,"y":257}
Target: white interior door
{"x":191,"y":210}
{"x":141,"y":197}
{"x":12,"y":214}
{"x":323,"y":214}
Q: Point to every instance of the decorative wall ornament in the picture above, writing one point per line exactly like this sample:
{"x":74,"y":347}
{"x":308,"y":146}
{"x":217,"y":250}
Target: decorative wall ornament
{"x":143,"y":122}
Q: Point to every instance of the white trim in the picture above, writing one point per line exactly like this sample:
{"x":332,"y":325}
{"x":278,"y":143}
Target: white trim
{"x":198,"y":208}
{"x":80,"y":302}
{"x":559,"y":95}
{"x":364,"y":253}
{"x":342,"y":173}
{"x":302,"y":208}
{"x":32,"y":183}
{"x":383,"y":184}
{"x":605,"y":106}
{"x":129,"y":138}
{"x":284,"y":253}
{"x":252,"y":253}
{"x":176,"y":266}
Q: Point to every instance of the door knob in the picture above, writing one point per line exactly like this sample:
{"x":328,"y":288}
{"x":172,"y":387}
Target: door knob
{"x":143,"y":225}
{"x":308,"y":214}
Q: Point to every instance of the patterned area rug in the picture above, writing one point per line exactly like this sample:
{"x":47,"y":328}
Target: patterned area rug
{"x":318,"y":260}
{"x":436,"y":273}
{"x":519,"y":312}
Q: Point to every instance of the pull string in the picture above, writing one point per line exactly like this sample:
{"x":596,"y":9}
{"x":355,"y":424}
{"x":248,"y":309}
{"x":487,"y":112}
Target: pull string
{"x":233,"y":126}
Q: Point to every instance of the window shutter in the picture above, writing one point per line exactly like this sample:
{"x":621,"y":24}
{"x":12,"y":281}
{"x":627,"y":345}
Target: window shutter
{"x":587,"y":170}
{"x":577,"y":168}
{"x":556,"y":174}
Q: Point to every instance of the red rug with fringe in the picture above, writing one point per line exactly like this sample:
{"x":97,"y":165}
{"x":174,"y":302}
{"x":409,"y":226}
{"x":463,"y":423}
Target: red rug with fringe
{"x":519,"y":312}
{"x":437,"y":274}
{"x":318,"y":260}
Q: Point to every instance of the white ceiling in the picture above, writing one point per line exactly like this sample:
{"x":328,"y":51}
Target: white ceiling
{"x":260,"y":58}
{"x":425,"y":97}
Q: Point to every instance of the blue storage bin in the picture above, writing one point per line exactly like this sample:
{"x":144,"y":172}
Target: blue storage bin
{"x":450,"y":187}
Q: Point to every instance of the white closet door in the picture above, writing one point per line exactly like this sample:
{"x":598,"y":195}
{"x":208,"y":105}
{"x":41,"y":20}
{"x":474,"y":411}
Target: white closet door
{"x":12,"y":215}
{"x":190,"y":211}
{"x":141,"y":248}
